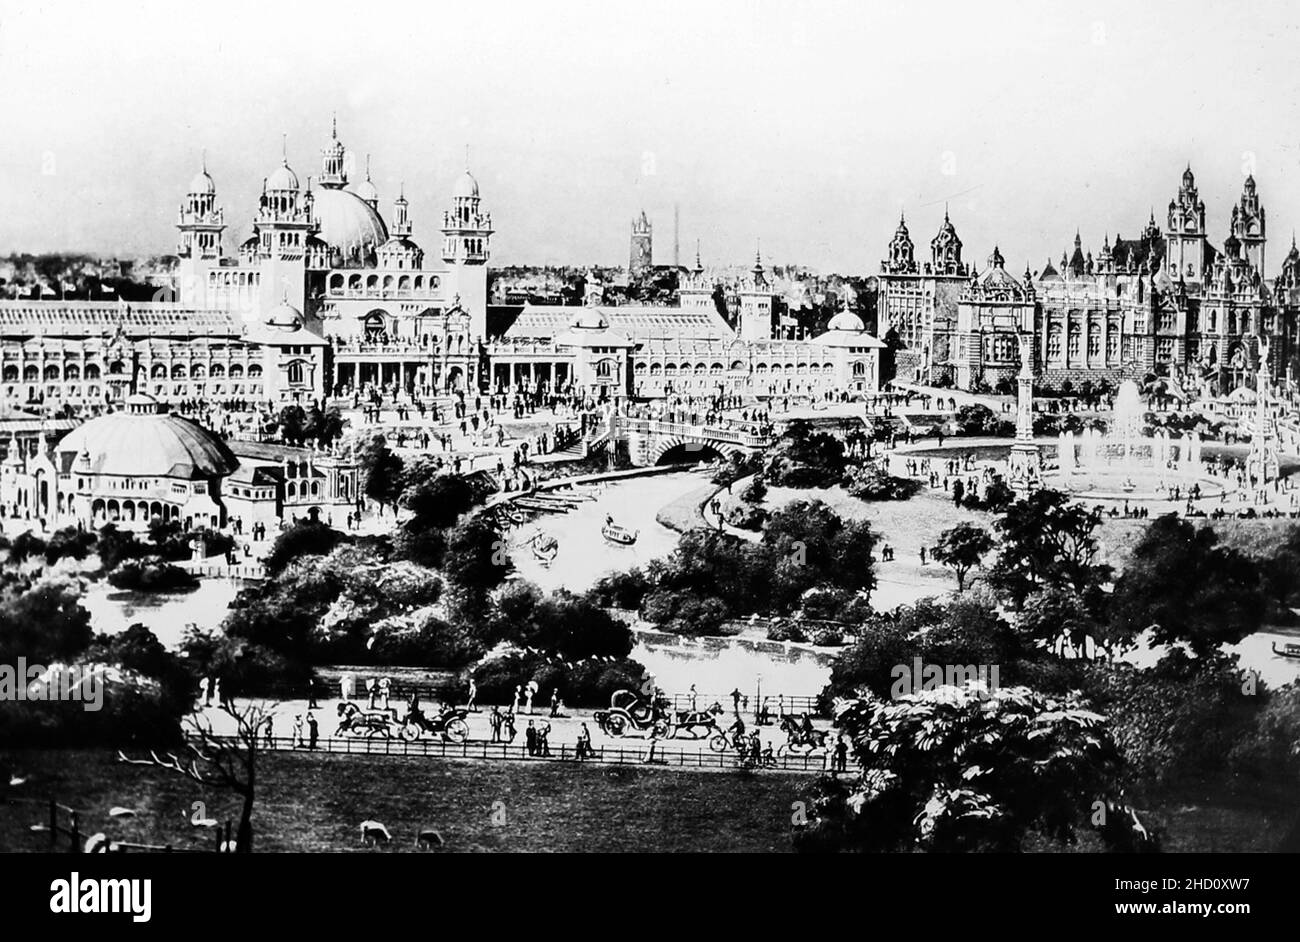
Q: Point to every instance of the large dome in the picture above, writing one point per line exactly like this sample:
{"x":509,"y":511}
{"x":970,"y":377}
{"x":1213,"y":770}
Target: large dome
{"x":140,"y":444}
{"x":348,"y":224}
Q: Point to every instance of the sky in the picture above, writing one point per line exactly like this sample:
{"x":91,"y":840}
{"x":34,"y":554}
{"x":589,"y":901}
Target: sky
{"x":805,"y":127}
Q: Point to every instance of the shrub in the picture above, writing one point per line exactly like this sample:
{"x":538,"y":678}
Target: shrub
{"x":869,"y":482}
{"x":152,"y":574}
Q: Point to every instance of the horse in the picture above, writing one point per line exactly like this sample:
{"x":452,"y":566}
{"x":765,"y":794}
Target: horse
{"x":361,"y":722}
{"x":698,"y":723}
{"x":797,"y":736}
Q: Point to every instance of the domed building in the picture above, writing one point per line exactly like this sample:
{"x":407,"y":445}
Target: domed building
{"x":141,"y":464}
{"x":126,"y":468}
{"x":349,"y":226}
{"x":854,"y":354}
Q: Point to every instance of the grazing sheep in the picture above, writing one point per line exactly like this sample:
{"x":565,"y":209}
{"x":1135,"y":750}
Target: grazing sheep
{"x":428,"y":838}
{"x":374,"y":831}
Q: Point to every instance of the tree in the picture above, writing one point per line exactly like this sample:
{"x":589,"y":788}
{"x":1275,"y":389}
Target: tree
{"x":292,"y":423}
{"x":220,"y":762}
{"x":962,"y":769}
{"x":43,"y":622}
{"x":1047,"y":540}
{"x":302,"y":538}
{"x":382,"y":469}
{"x":961,"y":548}
{"x":1184,"y":586}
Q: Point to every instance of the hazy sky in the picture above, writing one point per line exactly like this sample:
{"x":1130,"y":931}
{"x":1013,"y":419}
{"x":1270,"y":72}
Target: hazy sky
{"x":806,"y":125}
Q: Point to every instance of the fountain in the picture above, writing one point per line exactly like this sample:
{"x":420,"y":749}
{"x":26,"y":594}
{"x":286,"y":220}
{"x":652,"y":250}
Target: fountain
{"x":1124,"y":464}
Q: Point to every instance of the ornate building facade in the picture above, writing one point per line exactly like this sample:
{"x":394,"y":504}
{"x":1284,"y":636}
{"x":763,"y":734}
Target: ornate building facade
{"x":1167,"y":301}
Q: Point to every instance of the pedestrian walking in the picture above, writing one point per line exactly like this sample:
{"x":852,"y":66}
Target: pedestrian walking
{"x":313,"y":731}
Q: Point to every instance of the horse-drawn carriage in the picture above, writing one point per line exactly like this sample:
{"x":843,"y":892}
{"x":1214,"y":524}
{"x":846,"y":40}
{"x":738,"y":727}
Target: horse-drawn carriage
{"x":449,"y":723}
{"x":631,"y":711}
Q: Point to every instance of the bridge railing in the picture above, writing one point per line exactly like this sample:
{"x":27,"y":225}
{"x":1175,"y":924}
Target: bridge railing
{"x":707,"y":432}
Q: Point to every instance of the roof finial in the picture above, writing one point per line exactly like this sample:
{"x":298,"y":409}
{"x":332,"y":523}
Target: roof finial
{"x":698,"y":266}
{"x":467,"y":158}
{"x":334,"y":126}
{"x":945,"y":211}
{"x":367,"y":168}
{"x":284,"y":149}
{"x":204,"y":160}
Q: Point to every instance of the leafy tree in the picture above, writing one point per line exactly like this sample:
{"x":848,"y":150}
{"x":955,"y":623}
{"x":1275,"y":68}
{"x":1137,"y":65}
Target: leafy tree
{"x":382,"y":469}
{"x":957,"y":769}
{"x":1059,"y":612}
{"x":435,"y":498}
{"x":961,"y":548}
{"x":43,"y":622}
{"x":1047,"y":540}
{"x":322,"y":427}
{"x":69,"y":543}
{"x":116,"y":545}
{"x":307,"y":537}
{"x":805,"y":458}
{"x":292,"y":423}
{"x":1186,"y":587}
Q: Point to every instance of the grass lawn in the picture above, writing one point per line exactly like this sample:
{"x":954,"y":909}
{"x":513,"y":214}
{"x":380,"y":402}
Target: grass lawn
{"x":316,"y":802}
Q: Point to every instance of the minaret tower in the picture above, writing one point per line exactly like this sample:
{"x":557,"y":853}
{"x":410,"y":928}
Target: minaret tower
{"x":334,"y":172}
{"x":755,"y":322}
{"x":695,"y":289}
{"x":1248,"y":225}
{"x":201,"y":223}
{"x":466,"y":233}
{"x":1185,"y":233}
{"x":283,"y":224}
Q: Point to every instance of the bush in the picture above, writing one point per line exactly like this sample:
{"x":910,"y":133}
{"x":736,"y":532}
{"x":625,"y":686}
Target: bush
{"x":152,"y":574}
{"x":745,"y":516}
{"x":625,"y":590}
{"x":784,"y":629}
{"x":827,"y":637}
{"x":869,"y":482}
{"x":755,"y":491}
{"x":586,"y":683}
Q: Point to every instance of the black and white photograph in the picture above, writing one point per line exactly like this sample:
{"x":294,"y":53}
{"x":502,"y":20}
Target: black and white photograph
{"x":738,"y":427}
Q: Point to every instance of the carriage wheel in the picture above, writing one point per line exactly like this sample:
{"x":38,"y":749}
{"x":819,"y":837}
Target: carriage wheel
{"x":616,"y":725}
{"x":410,"y":732}
{"x":456,"y":730}
{"x":660,"y":728}
{"x":718,"y":742}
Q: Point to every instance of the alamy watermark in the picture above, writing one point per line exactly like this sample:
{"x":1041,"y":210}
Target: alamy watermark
{"x":22,"y":682}
{"x":919,"y":676}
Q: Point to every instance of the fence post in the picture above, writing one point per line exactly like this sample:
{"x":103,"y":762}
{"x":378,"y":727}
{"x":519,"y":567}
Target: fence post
{"x":76,"y":835}
{"x":54,"y":821}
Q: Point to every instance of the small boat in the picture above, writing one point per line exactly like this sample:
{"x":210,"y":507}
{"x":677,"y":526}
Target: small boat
{"x":1287,"y":650}
{"x":612,"y":532}
{"x":545,"y":547}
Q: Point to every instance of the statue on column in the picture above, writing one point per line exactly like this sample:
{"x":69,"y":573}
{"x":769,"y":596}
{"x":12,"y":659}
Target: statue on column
{"x":1025,"y":467}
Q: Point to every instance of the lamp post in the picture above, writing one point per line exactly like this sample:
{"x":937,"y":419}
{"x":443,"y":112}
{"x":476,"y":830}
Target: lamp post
{"x":758,"y":697}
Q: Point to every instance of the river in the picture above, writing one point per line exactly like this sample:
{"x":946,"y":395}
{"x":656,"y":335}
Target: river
{"x":584,"y":555}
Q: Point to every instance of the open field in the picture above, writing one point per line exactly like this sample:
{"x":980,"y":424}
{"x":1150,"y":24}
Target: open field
{"x":315,"y":802}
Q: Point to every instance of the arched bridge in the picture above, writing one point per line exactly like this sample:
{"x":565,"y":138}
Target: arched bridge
{"x":652,"y":442}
